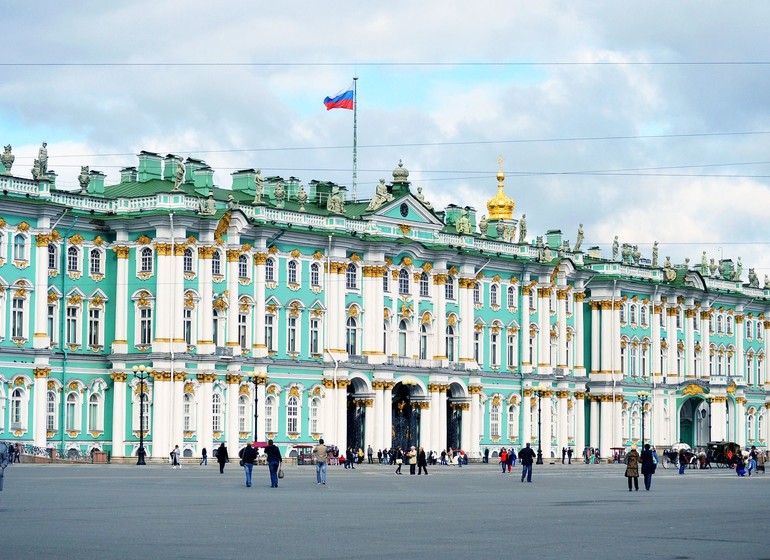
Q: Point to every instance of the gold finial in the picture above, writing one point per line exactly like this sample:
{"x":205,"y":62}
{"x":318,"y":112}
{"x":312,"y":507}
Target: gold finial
{"x":500,"y":206}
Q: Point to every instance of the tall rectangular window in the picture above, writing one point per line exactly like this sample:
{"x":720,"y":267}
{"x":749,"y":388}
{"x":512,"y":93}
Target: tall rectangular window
{"x":17,"y":318}
{"x":52,"y":323}
{"x":72,"y":325}
{"x":94,"y":326}
{"x":291,"y":335}
{"x":242,"y":318}
{"x":145,"y":325}
{"x":314,"y":336}
{"x":269,"y":339}
{"x":187,"y":325}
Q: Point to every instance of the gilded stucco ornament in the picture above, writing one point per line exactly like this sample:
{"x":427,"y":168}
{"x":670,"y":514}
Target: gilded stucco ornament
{"x":500,"y":206}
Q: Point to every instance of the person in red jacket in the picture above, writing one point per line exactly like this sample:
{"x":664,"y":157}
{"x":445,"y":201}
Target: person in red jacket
{"x":503,"y":458}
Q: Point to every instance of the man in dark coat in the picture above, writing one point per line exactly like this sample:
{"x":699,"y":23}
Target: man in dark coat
{"x":422,"y":461}
{"x":248,"y":456}
{"x":527,"y":457}
{"x":274,"y":461}
{"x":222,"y":457}
{"x":648,"y":465}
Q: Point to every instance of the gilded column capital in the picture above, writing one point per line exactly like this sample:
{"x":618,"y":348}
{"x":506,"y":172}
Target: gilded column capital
{"x":440,"y":279}
{"x":206,"y":252}
{"x":163,"y":249}
{"x":41,"y":372}
{"x":443,"y":388}
{"x":121,"y":251}
{"x":672,"y":311}
{"x":605,"y":305}
{"x":544,"y":292}
{"x":562,"y":394}
{"x":741,"y":400}
{"x":233,"y":255}
{"x":562,"y":294}
{"x":580,"y":395}
{"x":378,"y":385}
{"x":388,"y":385}
{"x":119,"y":376}
{"x":343,"y":383}
{"x":260,"y":258}
{"x":179,"y":249}
{"x":180,"y":375}
{"x":739,"y":319}
{"x":422,"y":405}
{"x":206,"y":377}
{"x":618,"y":398}
{"x":233,"y":379}
{"x":328,"y":383}
{"x":528,"y":392}
{"x":475,"y":389}
{"x":161,"y":375}
{"x":718,"y":399}
{"x":579,"y":297}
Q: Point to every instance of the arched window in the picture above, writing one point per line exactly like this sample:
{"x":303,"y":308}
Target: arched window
{"x":351,"y":277}
{"x":315,"y":275}
{"x":313,"y":415}
{"x":451,"y":342}
{"x":403,"y":337}
{"x":351,"y":338}
{"x":216,"y":413}
{"x":623,"y":316}
{"x":71,"y":413}
{"x":292,"y":415}
{"x":243,"y":406}
{"x":403,"y":282}
{"x":720,"y":322}
{"x":748,"y":329}
{"x":493,"y":289}
{"x":291,"y":272}
{"x":188,"y":411}
{"x":17,"y":410}
{"x":494,"y":421}
{"x":513,"y":421}
{"x":424,"y":285}
{"x":386,"y":281}
{"x":315,"y":336}
{"x":643,"y":314}
{"x":635,"y":423}
{"x":19,"y":247}
{"x":269,"y":270}
{"x":146,"y":260}
{"x":494,"y":348}
{"x":511,"y":297}
{"x":18,"y":319}
{"x":94,"y":413}
{"x":243,"y":266}
{"x":291,"y":335}
{"x":50,"y":416}
{"x":511,"y":348}
{"x":645,"y":361}
{"x":270,"y":421}
{"x":73,"y":264}
{"x":145,"y":325}
{"x":449,"y":288}
{"x":270,"y":339}
{"x":95,"y":262}
{"x":729,"y":325}
{"x":187,"y":261}
{"x":476,"y":293}
{"x":632,"y":314}
{"x":423,"y":342}
{"x":633,"y":355}
{"x":216,"y":264}
{"x":53,"y":257}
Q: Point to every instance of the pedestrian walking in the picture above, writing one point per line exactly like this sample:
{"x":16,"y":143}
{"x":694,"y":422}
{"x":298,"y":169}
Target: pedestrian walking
{"x":632,"y":468}
{"x":761,"y":462}
{"x":682,"y":461}
{"x":248,"y":455}
{"x":204,"y":457}
{"x":649,"y":464}
{"x":486,"y":454}
{"x":175,"y":454}
{"x":412,"y":460}
{"x":379,"y":456}
{"x":569,"y":455}
{"x":350,"y":459}
{"x":526,"y":456}
{"x":319,"y":454}
{"x":422,"y":462}
{"x":563,"y":454}
{"x":222,"y":457}
{"x":17,"y":454}
{"x":370,"y":454}
{"x":509,"y":460}
{"x":274,"y":461}
{"x":4,"y":461}
{"x":503,"y":459}
{"x":399,"y":458}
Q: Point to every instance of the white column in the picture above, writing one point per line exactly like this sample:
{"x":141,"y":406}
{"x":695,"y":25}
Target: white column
{"x":417,"y":319}
{"x":177,"y":290}
{"x":119,"y":414}
{"x":233,"y":254}
{"x":374,"y":303}
{"x":526,"y":418}
{"x":465,"y":432}
{"x":376,"y":415}
{"x":439,"y":313}
{"x":161,"y":415}
{"x":562,"y":439}
{"x":705,"y":343}
{"x":616,"y":419}
{"x":39,"y":407}
{"x":42,"y":338}
{"x":655,"y":353}
{"x":330,"y":414}
{"x":387,"y":411}
{"x":205,"y":428}
{"x":673,"y":340}
{"x":740,"y":357}
{"x":526,"y":366}
{"x":260,"y":347}
{"x":177,"y":396}
{"x":689,"y":342}
{"x":544,"y":325}
{"x":545,"y":423}
{"x":476,"y":420}
{"x":740,"y":421}
{"x":605,"y":436}
{"x":342,"y":409}
{"x":205,"y":310}
{"x":596,"y":338}
{"x":425,"y":425}
{"x":580,"y":423}
{"x":163,"y":299}
{"x":606,"y":338}
{"x":442,"y":416}
{"x":369,"y":437}
{"x":467,"y":319}
{"x":561,"y":314}
{"x":260,"y":435}
{"x":616,"y":369}
{"x":233,"y":380}
{"x":120,"y":344}
{"x":719,"y":418}
{"x":595,"y":423}
{"x":436,"y":443}
{"x":578,"y":350}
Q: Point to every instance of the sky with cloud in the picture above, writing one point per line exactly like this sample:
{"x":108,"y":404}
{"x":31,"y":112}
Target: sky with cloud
{"x":647,"y":120}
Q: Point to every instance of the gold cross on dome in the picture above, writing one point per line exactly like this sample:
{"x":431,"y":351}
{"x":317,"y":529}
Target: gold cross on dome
{"x":500,"y":161}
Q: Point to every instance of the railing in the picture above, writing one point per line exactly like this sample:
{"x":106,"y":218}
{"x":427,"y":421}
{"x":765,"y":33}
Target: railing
{"x":411,"y":362}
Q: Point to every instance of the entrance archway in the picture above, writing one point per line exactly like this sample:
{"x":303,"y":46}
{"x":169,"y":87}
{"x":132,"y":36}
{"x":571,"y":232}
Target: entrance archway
{"x":457,"y":401}
{"x":356,"y":414}
{"x":694,"y":422}
{"x":405,"y":417}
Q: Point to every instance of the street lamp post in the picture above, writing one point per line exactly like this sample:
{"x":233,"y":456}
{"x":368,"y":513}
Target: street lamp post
{"x":258,"y":379}
{"x":142,"y":373}
{"x":539,"y":460}
{"x":643,"y":397}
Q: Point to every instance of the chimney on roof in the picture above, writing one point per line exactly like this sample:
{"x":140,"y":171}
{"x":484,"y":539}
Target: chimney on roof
{"x":149,"y":166}
{"x":96,"y":184}
{"x":243,"y":181}
{"x":128,"y":175}
{"x":169,"y":167}
{"x":203,"y":179}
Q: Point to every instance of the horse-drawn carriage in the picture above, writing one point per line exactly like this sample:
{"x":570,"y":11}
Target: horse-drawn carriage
{"x":723,"y":453}
{"x":671,"y":456}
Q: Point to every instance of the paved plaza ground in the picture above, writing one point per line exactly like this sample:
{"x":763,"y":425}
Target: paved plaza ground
{"x":578,"y":511}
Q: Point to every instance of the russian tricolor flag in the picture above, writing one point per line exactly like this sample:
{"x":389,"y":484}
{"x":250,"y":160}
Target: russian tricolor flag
{"x":343,"y":100}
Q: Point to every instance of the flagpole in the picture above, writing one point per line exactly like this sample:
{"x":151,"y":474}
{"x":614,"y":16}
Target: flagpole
{"x":355,"y":136}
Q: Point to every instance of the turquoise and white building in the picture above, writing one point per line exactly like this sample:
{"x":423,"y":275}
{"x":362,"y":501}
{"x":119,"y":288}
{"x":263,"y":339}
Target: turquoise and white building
{"x":381,"y":322}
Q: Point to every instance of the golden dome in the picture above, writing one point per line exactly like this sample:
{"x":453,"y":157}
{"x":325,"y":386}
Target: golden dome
{"x":500,"y":207}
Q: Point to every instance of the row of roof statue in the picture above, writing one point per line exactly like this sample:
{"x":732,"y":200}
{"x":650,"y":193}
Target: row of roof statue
{"x":500,"y":207}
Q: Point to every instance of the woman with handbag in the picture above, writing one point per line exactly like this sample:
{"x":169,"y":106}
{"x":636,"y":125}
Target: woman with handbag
{"x":399,"y":459}
{"x":632,"y":468}
{"x":274,"y":461}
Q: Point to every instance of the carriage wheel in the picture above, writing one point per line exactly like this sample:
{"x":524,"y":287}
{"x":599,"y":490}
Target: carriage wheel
{"x":666,"y":462}
{"x":720,"y":460}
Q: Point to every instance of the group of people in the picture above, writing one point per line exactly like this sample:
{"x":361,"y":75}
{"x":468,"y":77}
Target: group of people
{"x":647,"y":459}
{"x":753,"y":462}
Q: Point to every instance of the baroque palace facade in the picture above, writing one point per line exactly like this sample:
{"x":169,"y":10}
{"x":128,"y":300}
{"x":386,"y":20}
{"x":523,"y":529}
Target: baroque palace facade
{"x":286,"y":309}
